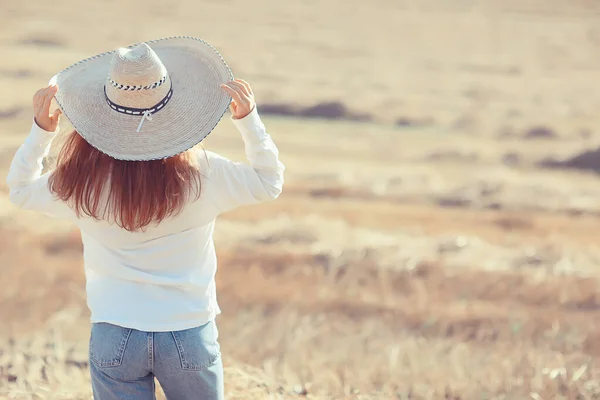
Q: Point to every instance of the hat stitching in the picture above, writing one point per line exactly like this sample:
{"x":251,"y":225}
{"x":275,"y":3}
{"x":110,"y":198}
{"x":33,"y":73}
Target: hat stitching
{"x":137,"y":87}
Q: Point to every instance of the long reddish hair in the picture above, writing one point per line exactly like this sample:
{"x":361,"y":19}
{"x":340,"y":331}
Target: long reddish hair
{"x":132,"y":194}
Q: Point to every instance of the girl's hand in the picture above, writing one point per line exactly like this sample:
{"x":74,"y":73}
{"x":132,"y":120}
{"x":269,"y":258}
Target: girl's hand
{"x":41,"y":109}
{"x":243,"y":99}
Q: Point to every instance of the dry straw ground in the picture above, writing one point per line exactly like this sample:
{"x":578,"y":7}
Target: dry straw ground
{"x":446,"y":249}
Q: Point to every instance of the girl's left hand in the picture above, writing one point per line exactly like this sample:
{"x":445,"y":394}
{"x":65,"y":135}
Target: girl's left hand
{"x":41,"y":109}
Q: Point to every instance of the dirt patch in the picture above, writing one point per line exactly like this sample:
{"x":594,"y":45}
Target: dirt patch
{"x":11,"y":113}
{"x":587,"y":161}
{"x":540,"y":132}
{"x":513,"y":223}
{"x":326,"y":110}
{"x":20,"y":73}
{"x":41,"y":41}
{"x":512,"y":159}
{"x":414,"y":122}
{"x":453,"y":156}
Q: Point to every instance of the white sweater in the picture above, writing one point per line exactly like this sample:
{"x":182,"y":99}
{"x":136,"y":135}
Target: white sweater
{"x":162,"y":279}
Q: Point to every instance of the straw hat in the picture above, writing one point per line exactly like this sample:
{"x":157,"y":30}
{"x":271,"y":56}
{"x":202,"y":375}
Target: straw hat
{"x":148,"y":101}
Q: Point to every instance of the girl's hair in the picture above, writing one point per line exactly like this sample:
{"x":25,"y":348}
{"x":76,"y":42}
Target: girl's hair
{"x":133,"y":194}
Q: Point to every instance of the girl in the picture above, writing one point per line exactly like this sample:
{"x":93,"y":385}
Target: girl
{"x":145,"y":201}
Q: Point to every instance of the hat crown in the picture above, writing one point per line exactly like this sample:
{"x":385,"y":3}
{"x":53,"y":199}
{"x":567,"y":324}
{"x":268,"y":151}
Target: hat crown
{"x":137,"y":77}
{"x":137,"y":66}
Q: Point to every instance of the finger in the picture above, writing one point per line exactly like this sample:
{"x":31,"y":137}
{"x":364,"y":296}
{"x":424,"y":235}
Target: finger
{"x":39,"y":100}
{"x":246,"y":85}
{"x":47,"y":90}
{"x":233,"y":93}
{"x":37,"y":96}
{"x":47,"y":101}
{"x":50,"y":91}
{"x":239,"y":87}
{"x":53,"y":89}
{"x":245,"y":98}
{"x":230,"y":91}
{"x":55,"y":117}
{"x":38,"y":106}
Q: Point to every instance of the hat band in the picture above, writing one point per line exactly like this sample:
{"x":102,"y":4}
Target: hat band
{"x":146,"y":113}
{"x":139,"y":111}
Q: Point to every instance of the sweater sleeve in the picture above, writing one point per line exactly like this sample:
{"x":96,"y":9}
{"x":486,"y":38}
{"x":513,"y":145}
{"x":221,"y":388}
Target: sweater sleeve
{"x":28,"y":187}
{"x":234,"y":184}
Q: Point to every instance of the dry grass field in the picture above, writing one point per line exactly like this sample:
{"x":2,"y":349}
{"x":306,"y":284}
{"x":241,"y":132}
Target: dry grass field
{"x":436,"y":238}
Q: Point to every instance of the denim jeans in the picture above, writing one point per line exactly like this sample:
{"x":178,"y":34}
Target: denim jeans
{"x":124,"y":363}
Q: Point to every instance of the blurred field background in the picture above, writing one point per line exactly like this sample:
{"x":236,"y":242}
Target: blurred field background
{"x":436,"y":238}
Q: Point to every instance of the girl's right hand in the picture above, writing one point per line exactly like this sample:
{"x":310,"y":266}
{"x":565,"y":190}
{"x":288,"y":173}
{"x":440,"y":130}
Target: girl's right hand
{"x":242,"y":96}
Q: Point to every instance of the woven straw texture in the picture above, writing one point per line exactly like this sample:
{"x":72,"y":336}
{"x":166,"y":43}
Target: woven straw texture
{"x":195,"y":72}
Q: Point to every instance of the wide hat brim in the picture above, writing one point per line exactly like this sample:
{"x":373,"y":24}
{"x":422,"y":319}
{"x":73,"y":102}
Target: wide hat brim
{"x":197,"y":105}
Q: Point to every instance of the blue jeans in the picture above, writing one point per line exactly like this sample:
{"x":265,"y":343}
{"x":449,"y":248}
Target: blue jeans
{"x":124,"y":363}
